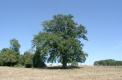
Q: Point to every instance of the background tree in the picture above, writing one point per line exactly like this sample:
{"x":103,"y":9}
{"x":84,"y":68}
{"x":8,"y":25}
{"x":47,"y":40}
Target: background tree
{"x":27,"y":59}
{"x":108,"y":62}
{"x":8,"y":57}
{"x":14,"y":45}
{"x":61,"y":40}
{"x":1,"y":62}
{"x":21,"y":60}
{"x":39,"y":59}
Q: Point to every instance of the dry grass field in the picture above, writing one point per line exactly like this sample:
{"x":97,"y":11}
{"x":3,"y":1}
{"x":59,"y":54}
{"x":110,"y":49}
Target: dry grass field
{"x":84,"y":73}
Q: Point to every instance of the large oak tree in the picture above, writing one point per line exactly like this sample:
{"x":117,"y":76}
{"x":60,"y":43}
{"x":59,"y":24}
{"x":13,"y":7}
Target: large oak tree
{"x":60,"y":41}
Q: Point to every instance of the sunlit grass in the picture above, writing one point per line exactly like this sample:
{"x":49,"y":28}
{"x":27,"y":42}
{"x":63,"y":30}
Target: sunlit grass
{"x":84,"y":73}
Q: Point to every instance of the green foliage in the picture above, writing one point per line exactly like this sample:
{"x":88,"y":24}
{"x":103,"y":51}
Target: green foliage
{"x":27,"y":59}
{"x":1,"y":62}
{"x":74,"y":64}
{"x":8,"y":57}
{"x":38,"y":60}
{"x":18,"y":65}
{"x":14,"y":45}
{"x":21,"y":60}
{"x":108,"y":62}
{"x":60,"y":40}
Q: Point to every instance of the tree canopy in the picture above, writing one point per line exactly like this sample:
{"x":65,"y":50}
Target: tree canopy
{"x":108,"y":62}
{"x":27,"y":59}
{"x":61,"y":41}
{"x":14,"y":45}
{"x":8,"y":57}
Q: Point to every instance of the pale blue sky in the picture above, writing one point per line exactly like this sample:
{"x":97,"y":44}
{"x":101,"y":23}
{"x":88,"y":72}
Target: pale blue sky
{"x":21,"y":19}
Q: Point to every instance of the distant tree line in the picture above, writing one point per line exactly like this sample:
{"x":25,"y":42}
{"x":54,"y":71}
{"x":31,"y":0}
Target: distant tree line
{"x":12,"y":57}
{"x":108,"y":62}
{"x":59,"y":41}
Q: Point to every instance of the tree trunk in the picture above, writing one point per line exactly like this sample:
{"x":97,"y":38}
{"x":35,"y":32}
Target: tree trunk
{"x":64,"y":62}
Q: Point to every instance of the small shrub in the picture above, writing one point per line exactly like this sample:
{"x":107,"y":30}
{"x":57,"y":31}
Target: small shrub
{"x":19,"y":65}
{"x":28,"y":65}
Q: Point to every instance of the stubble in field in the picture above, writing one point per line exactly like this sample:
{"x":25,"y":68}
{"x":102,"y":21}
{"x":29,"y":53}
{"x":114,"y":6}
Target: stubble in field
{"x":84,"y":73}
